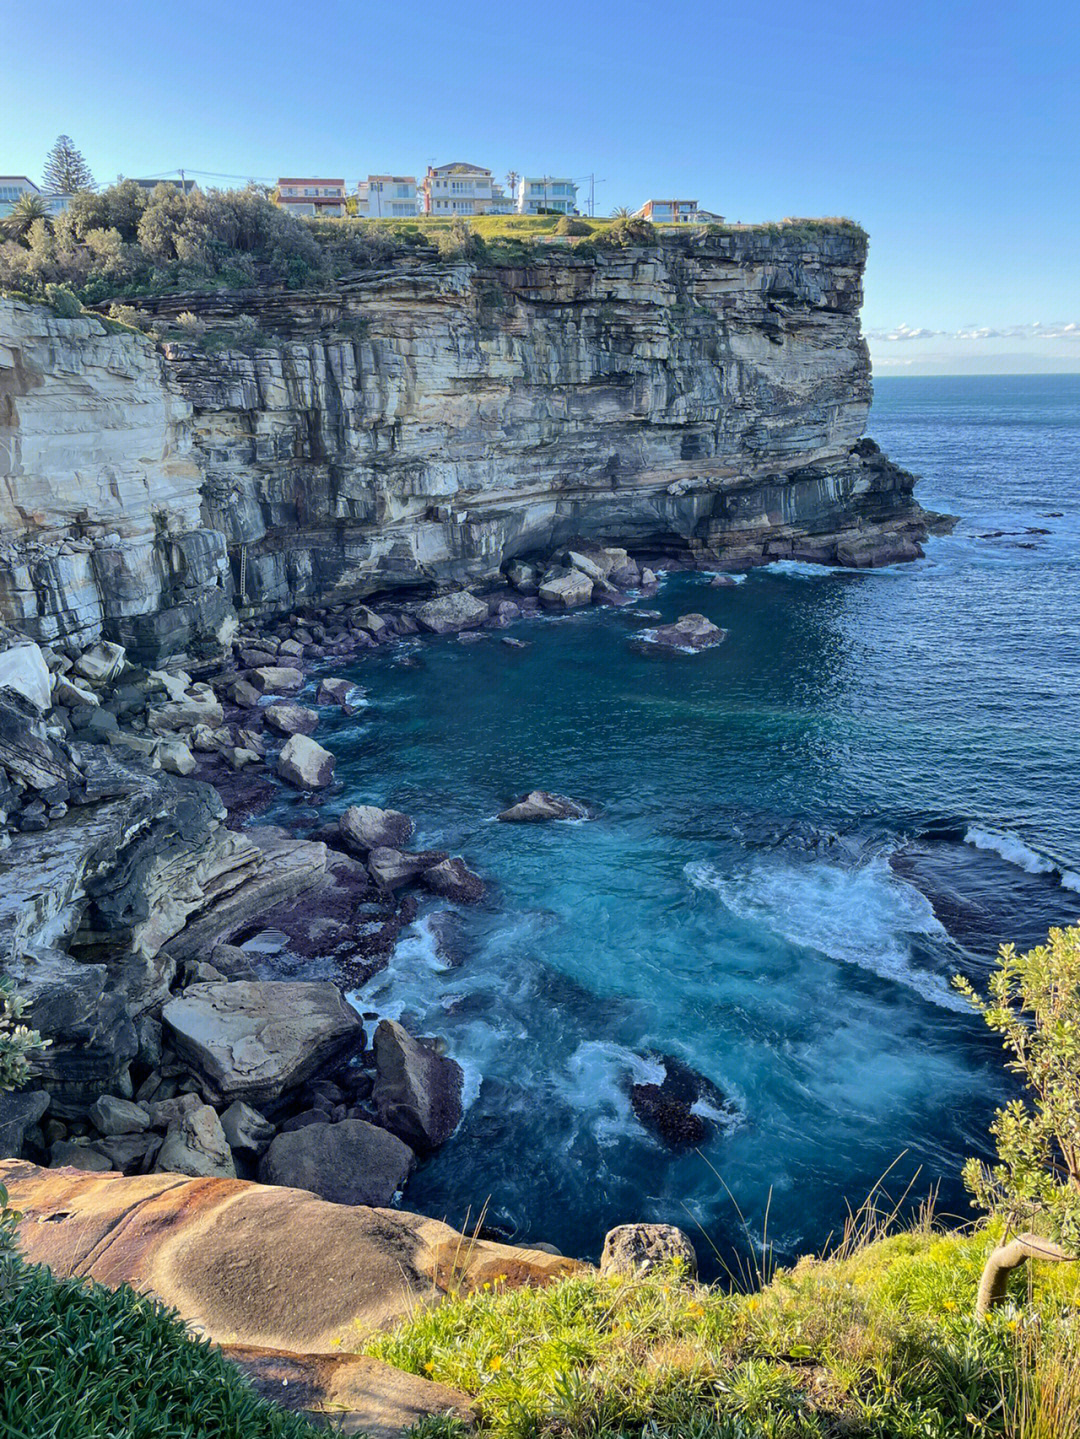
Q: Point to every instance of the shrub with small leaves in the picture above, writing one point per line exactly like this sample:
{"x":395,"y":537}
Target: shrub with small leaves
{"x":1034,"y":1004}
{"x":64,"y":301}
{"x":18,"y":1042}
{"x":189,"y":321}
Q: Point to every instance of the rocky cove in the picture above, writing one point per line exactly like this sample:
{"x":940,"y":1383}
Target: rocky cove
{"x":191,"y":534}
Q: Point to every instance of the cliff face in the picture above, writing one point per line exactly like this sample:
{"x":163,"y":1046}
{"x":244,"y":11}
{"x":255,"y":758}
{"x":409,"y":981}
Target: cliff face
{"x":423,"y":425}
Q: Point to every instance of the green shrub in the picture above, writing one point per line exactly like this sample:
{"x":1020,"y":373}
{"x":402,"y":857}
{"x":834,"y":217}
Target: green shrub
{"x":1034,"y":1005}
{"x":78,"y":1361}
{"x":570,"y":225}
{"x":18,"y":1042}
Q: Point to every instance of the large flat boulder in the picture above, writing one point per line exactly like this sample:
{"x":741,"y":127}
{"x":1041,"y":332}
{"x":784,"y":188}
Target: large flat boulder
{"x":365,"y":827}
{"x":689,"y":632}
{"x":351,"y":1162}
{"x":254,"y":1039}
{"x":253,"y":1264}
{"x":566,"y":591}
{"x":417,"y":1091}
{"x":450,"y":613}
{"x":348,"y":1393}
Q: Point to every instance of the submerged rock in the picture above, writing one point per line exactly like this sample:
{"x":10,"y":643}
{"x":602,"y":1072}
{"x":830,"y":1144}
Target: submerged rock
{"x":540,"y":805}
{"x":668,"y":1117}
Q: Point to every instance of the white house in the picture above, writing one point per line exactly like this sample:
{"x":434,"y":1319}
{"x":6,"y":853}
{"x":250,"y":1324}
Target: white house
{"x":675,"y":212}
{"x":392,"y":196}
{"x":14,"y":186}
{"x":311,"y":196}
{"x":460,"y":189}
{"x":536,"y":193}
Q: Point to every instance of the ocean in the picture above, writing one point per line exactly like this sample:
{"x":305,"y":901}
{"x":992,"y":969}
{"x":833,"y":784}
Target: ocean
{"x":800,"y":836}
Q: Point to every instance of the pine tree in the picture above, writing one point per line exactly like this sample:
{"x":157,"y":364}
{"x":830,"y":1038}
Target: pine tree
{"x":65,"y":169}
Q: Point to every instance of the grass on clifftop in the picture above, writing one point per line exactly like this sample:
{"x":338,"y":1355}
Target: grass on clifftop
{"x":882,"y":1343}
{"x":78,"y":1361}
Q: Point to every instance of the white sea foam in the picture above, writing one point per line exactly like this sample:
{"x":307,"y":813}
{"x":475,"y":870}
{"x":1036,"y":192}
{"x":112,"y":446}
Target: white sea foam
{"x":649,"y":637}
{"x":802,"y":569}
{"x":1011,"y":848}
{"x":1070,"y":880}
{"x":864,"y":916}
{"x":595,"y":1081}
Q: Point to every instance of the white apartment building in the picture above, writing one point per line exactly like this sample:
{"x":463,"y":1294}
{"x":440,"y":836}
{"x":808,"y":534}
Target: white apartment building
{"x":311,"y":196}
{"x":675,"y":212}
{"x":12,"y":187}
{"x":536,"y":193}
{"x":387,"y":196}
{"x":460,"y":189}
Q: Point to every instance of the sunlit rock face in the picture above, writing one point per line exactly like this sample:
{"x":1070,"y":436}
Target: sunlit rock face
{"x":424,"y":424}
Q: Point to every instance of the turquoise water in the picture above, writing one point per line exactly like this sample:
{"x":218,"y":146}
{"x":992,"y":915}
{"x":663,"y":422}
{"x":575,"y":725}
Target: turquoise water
{"x":800,"y":836}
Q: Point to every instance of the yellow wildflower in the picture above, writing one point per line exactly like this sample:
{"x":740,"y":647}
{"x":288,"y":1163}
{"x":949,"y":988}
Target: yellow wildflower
{"x":495,"y":1364}
{"x":430,"y":1366}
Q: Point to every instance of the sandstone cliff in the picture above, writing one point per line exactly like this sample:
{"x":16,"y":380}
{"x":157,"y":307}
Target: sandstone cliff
{"x":427,"y":423}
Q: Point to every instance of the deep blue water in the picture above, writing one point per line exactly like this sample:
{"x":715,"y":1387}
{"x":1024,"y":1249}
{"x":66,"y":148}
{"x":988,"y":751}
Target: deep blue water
{"x":801,"y":835}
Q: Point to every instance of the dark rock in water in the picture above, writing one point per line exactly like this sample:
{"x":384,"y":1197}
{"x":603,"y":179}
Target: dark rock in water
{"x":452,"y":880}
{"x":669,"y":1118}
{"x":666,"y":1108}
{"x":540,"y":805}
{"x":353,"y":1162}
{"x":417,"y":1092}
{"x":720,"y":582}
{"x":515,"y":644}
{"x":689,"y":632}
{"x":445,"y":926}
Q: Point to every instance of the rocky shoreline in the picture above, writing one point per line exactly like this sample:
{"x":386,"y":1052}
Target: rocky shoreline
{"x":189,"y":972}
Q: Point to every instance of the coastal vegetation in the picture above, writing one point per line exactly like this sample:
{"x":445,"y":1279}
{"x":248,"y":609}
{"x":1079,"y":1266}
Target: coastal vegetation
{"x":124,"y":241}
{"x":880,"y":1337}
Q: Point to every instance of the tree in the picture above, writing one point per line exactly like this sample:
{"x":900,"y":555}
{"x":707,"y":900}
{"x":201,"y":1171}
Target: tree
{"x":27,"y":208}
{"x":65,"y":169}
{"x":621,"y":212}
{"x":1034,"y":1004}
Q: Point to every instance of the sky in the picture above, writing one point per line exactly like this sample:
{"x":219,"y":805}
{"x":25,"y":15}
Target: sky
{"x":949,"y":130}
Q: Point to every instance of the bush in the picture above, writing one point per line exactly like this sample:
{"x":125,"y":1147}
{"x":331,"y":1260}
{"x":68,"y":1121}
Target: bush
{"x":570,"y":225}
{"x":1034,"y":1005}
{"x":81,"y":1362}
{"x":18,"y":1042}
{"x":460,"y":242}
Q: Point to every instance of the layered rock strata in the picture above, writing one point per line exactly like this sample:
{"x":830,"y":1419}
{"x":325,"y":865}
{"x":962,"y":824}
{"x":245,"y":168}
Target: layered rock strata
{"x":426,"y":425}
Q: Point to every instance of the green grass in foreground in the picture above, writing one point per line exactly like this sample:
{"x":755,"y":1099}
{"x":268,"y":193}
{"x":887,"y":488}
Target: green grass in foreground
{"x":81,"y":1362}
{"x":881,"y":1343}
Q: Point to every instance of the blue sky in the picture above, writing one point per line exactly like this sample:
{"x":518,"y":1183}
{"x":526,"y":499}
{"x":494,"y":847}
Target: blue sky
{"x":949,"y":130}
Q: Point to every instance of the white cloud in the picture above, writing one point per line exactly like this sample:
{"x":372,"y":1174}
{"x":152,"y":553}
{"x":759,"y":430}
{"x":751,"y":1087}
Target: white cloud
{"x":1036,"y":330}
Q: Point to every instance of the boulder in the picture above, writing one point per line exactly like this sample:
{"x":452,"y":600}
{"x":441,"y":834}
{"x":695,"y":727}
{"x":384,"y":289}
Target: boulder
{"x":290,"y":719}
{"x":365,"y":827}
{"x":244,"y":694}
{"x":249,"y":1264}
{"x":368,"y":622}
{"x":24,"y":671}
{"x":540,"y":805}
{"x":276,"y":679}
{"x":524,"y":577}
{"x":175,"y":757}
{"x":588,"y":567}
{"x":200,"y":705}
{"x":566,"y":591}
{"x":689,"y":632}
{"x":20,"y":1110}
{"x":166,"y":1113}
{"x":350,"y":1393}
{"x":648,"y":578}
{"x":66,"y":1154}
{"x":252,"y":1040}
{"x":635,"y":1249}
{"x":391,"y":868}
{"x":450,"y":613}
{"x":70,"y":692}
{"x":305,"y":764}
{"x":131,"y":1153}
{"x":196,"y":1145}
{"x":341,"y":692}
{"x":101,"y":663}
{"x":417,"y":1092}
{"x":245,"y":1128}
{"x":451,"y":880}
{"x":352,"y":1162}
{"x":669,"y":1117}
{"x":110,"y":1115}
